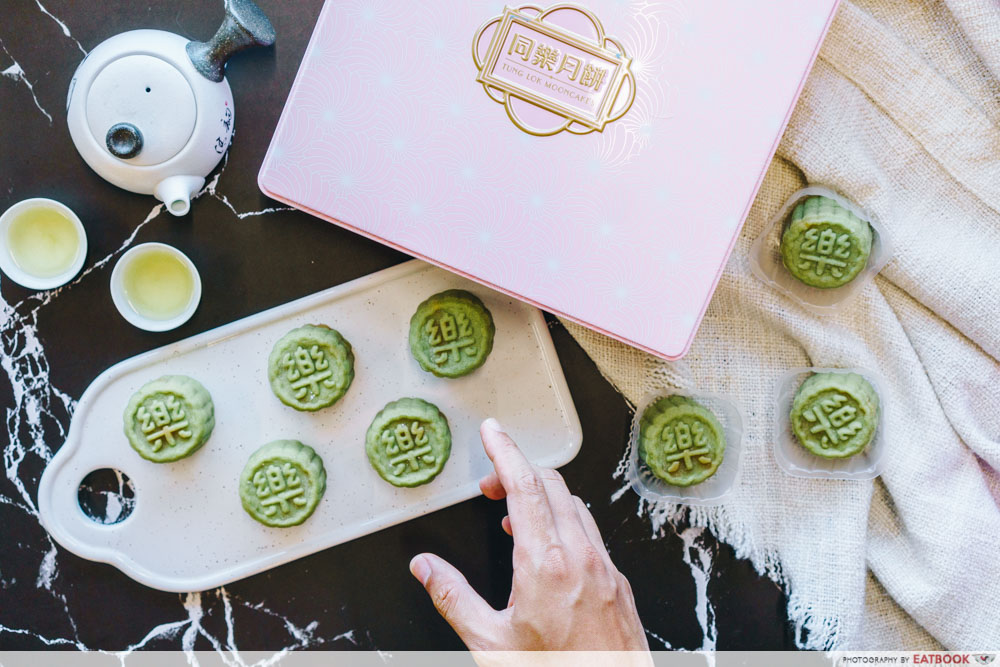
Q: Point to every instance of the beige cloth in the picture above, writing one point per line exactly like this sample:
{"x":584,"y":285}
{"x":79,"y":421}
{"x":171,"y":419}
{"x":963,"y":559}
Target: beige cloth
{"x":901,"y":114}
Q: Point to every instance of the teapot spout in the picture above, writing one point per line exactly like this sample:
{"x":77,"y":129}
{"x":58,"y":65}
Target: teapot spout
{"x":176,"y":192}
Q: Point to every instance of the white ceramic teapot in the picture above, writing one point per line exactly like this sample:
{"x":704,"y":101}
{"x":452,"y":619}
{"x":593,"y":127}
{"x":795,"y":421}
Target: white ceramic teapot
{"x":152,"y":112}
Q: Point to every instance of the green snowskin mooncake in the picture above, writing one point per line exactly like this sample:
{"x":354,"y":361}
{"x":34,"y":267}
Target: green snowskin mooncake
{"x":824,"y":245}
{"x":834,"y":415}
{"x":282,"y":483}
{"x":451,"y":334}
{"x":409,"y":442}
{"x":169,"y":418}
{"x":681,"y":441}
{"x":311,"y":367}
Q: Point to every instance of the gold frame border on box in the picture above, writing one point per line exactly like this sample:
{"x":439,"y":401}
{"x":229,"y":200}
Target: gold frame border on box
{"x":502,"y":91}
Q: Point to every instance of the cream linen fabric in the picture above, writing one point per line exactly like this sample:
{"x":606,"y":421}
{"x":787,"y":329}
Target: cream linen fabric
{"x":901,"y":114}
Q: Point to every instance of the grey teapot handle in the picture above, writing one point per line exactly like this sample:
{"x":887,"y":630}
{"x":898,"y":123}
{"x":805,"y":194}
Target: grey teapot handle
{"x":245,"y":26}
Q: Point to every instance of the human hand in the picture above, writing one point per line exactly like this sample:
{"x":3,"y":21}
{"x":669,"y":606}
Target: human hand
{"x":566,"y":594}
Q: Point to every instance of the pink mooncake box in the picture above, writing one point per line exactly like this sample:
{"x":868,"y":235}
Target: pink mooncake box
{"x":595,"y":159}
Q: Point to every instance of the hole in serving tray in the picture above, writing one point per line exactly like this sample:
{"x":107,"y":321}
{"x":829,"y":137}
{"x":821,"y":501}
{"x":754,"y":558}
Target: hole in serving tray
{"x":107,"y":496}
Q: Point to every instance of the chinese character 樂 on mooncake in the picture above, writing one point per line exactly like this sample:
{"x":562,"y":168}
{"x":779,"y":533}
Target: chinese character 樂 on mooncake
{"x":451,"y":334}
{"x":835,"y":415}
{"x":311,"y":367}
{"x":408,"y":442}
{"x":169,"y":418}
{"x":824,"y":245}
{"x":681,"y":441}
{"x":282,"y":483}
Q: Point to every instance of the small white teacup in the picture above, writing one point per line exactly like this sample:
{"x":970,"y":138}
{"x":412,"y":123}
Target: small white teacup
{"x":155,"y":287}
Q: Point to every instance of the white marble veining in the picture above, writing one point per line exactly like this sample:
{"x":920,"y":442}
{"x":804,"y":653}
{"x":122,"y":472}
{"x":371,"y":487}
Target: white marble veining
{"x":62,"y":25}
{"x":212,"y":189}
{"x":665,"y":644}
{"x":697,"y":555}
{"x":16,"y":72}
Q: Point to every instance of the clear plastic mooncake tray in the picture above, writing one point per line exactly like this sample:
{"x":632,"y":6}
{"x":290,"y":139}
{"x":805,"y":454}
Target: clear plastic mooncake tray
{"x":714,"y":489}
{"x":188,"y":530}
{"x":797,"y":461}
{"x":766,"y":264}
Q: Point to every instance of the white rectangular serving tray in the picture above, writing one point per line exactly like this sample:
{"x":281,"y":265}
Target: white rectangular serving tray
{"x":188,"y":530}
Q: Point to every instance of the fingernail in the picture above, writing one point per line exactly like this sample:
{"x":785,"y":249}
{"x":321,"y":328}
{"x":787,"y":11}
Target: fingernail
{"x":492,"y":424}
{"x":420,"y":568}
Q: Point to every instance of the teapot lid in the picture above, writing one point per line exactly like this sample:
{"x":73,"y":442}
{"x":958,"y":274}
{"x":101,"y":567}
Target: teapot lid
{"x":141,"y":109}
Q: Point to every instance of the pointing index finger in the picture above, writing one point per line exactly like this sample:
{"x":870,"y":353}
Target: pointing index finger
{"x":531,"y":518}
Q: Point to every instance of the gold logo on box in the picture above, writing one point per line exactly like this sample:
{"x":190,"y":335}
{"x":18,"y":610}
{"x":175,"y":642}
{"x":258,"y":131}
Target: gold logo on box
{"x":554,"y":69}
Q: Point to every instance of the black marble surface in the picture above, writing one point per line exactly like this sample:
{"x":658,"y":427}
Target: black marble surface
{"x":692,"y":593}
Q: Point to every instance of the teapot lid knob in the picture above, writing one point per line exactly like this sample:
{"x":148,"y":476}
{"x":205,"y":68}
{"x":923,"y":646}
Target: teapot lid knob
{"x":245,"y":26}
{"x":124,"y":140}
